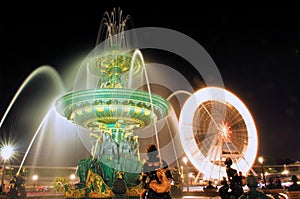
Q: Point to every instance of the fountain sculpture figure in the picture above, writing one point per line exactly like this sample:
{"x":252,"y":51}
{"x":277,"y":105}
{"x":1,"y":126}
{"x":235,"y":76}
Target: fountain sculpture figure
{"x":111,"y":111}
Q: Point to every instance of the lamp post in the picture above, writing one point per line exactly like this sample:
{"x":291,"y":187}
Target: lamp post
{"x":185,"y":160}
{"x":6,"y":153}
{"x":34,"y":178}
{"x":261,"y":161}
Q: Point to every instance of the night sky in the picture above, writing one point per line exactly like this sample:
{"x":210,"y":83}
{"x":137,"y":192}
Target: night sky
{"x":255,"y":47}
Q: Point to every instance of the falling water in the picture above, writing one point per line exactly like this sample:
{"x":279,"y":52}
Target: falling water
{"x":169,"y":129}
{"x":48,"y":70}
{"x":31,"y":142}
{"x":138,"y":53}
{"x":113,"y":26}
{"x":179,"y":92}
{"x":52,"y":73}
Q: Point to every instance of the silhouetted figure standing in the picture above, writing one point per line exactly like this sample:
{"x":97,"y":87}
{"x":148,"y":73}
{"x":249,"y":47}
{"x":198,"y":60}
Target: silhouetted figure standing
{"x":278,"y":183}
{"x":233,"y":178}
{"x":224,"y":194}
{"x":209,"y":186}
{"x":242,"y":179}
{"x":253,"y":193}
{"x":271,"y":184}
{"x":294,"y":186}
{"x":12,"y":193}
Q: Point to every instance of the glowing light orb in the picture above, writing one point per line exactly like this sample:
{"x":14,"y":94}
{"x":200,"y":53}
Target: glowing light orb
{"x":215,"y":124}
{"x":6,"y":152}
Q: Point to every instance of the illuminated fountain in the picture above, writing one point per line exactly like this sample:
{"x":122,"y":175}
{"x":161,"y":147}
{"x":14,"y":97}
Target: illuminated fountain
{"x":111,"y":111}
{"x":213,"y":124}
{"x":112,"y":105}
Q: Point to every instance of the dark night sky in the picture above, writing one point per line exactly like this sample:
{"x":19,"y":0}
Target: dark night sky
{"x":255,"y":47}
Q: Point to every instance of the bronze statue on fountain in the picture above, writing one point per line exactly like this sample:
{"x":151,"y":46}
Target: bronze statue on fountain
{"x":111,"y":112}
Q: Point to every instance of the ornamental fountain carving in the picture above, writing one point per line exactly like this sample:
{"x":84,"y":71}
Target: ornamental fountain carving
{"x":111,"y":111}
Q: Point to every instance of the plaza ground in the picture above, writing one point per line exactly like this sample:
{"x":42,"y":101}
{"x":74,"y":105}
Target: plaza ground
{"x":55,"y":195}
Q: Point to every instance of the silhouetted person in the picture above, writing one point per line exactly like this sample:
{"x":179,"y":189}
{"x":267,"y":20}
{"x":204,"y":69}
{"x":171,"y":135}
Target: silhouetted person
{"x":242,"y":179}
{"x":12,"y":193}
{"x":294,"y":186}
{"x":253,"y":193}
{"x":271,"y":184}
{"x":223,"y":190}
{"x":209,"y":186}
{"x":278,"y":183}
{"x":233,"y":178}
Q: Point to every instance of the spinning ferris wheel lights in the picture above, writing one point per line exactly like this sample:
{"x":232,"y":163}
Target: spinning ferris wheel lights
{"x":225,"y":130}
{"x":215,"y":124}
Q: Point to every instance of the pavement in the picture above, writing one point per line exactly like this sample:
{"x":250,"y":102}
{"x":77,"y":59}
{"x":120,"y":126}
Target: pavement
{"x":46,"y":195}
{"x":195,"y":192}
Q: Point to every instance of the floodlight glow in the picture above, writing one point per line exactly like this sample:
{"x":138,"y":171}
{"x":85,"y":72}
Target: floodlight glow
{"x":261,"y":160}
{"x":185,"y":160}
{"x":35,"y":177}
{"x":6,"y":152}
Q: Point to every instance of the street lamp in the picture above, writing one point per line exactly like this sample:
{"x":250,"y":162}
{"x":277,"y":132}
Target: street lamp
{"x":6,"y":153}
{"x":261,"y":161}
{"x":34,"y":178}
{"x":285,"y":170}
{"x":185,"y":160}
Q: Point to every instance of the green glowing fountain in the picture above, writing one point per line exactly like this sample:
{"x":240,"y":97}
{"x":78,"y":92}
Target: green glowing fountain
{"x":113,"y":107}
{"x":111,"y":111}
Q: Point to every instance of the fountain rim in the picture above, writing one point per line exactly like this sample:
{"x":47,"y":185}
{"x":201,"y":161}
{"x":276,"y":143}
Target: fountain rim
{"x":66,"y":104}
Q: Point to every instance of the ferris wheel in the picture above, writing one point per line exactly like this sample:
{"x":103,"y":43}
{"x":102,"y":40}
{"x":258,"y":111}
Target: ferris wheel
{"x":215,"y":124}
